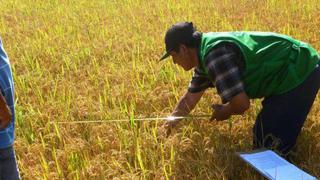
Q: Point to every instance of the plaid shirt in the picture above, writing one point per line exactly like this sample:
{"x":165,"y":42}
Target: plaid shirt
{"x":224,"y":64}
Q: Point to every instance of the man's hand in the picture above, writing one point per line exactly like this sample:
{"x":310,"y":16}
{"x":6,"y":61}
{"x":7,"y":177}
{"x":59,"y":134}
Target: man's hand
{"x":5,"y":116}
{"x":186,"y":103}
{"x":170,"y":125}
{"x":5,"y":113}
{"x":237,"y":105}
{"x":166,"y":129}
{"x":220,"y":112}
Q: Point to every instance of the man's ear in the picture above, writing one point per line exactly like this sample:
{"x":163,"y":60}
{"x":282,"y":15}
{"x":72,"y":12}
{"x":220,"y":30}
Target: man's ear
{"x":183,"y":48}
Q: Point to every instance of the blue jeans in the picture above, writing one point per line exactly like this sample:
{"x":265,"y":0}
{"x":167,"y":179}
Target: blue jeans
{"x":282,"y":116}
{"x":8,"y":165}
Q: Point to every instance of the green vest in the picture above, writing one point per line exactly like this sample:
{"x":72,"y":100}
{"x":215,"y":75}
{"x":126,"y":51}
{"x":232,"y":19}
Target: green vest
{"x":273,"y":63}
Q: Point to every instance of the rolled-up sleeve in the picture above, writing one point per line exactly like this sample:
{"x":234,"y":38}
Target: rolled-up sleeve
{"x":199,"y":81}
{"x":222,"y":66}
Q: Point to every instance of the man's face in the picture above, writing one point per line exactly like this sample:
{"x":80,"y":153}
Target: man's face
{"x":183,"y":58}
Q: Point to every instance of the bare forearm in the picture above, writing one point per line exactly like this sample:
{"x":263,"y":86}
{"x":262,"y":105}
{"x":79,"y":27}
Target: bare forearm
{"x":231,"y":110}
{"x":238,"y":105}
{"x":182,"y":108}
{"x":186,"y":103}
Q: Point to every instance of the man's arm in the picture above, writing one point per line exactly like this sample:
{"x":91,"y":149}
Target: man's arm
{"x":184,"y":106}
{"x":223,"y":63}
{"x":5,"y":113}
{"x":198,"y":84}
{"x":186,"y":103}
{"x":237,"y":105}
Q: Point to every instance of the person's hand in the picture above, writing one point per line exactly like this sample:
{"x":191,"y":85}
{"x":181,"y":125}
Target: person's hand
{"x":5,"y":116}
{"x":170,"y":125}
{"x":166,"y":129}
{"x":219,"y":112}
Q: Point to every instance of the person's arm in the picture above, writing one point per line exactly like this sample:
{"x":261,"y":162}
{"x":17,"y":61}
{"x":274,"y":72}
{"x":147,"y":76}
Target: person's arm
{"x":224,"y":64}
{"x":184,"y":106}
{"x":237,"y":105}
{"x":5,"y":113}
{"x":198,"y":84}
{"x":186,"y":103}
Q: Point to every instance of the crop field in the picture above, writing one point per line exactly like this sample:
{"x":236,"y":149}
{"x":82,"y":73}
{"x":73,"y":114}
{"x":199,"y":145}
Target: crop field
{"x":85,"y":60}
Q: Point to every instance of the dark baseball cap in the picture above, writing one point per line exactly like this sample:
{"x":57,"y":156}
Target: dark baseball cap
{"x":179,"y":33}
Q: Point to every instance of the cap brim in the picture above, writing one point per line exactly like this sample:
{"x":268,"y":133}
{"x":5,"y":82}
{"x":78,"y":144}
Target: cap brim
{"x":164,"y":56}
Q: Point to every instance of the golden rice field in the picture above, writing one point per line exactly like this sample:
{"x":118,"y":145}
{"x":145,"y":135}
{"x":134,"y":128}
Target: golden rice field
{"x":76,"y":60}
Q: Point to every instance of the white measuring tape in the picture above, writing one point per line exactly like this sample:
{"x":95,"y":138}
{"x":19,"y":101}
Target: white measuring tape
{"x":169,"y":118}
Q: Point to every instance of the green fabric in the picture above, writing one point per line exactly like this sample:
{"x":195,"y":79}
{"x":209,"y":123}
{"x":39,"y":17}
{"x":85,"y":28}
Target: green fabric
{"x":274,"y":63}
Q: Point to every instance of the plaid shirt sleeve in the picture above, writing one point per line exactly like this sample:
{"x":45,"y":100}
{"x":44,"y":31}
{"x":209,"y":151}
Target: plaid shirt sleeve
{"x":199,"y":81}
{"x":223,"y":67}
